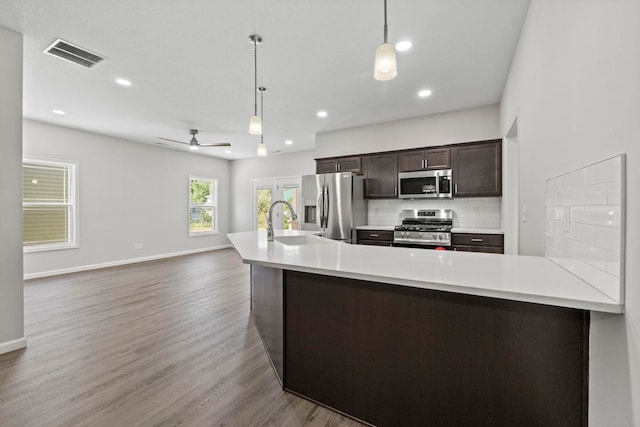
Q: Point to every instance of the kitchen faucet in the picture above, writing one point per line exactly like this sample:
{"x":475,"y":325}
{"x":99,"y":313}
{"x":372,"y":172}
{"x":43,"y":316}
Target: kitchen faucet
{"x":270,"y":218}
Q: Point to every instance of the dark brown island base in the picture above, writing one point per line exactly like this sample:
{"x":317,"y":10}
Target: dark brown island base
{"x":392,"y":355}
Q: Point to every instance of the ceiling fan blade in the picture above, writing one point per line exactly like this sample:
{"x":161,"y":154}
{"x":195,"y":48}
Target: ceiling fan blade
{"x":221,"y":144}
{"x":172,"y":140}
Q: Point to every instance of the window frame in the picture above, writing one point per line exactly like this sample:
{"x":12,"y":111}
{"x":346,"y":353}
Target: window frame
{"x":73,"y":240}
{"x":213,"y":205}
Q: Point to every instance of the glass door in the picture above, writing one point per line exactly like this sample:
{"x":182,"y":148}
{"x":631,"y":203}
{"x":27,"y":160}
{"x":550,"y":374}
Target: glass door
{"x":265,"y":192}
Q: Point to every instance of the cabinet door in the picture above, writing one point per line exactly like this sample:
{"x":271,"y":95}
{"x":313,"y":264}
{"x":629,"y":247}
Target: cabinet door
{"x":483,"y":249}
{"x":350,"y":164}
{"x":477,"y":169}
{"x":411,"y":161}
{"x":327,"y":166}
{"x":437,"y":158}
{"x":381,"y":176}
{"x":384,"y":237}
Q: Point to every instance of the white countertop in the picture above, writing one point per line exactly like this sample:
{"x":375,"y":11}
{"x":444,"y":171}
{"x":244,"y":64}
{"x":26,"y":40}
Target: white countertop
{"x":477,"y":230}
{"x":377,"y":227}
{"x":518,"y":278}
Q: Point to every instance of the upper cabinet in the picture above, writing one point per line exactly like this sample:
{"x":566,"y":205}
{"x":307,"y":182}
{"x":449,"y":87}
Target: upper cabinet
{"x":340,"y":164}
{"x":477,"y":169}
{"x":381,"y":176}
{"x":424,"y":159}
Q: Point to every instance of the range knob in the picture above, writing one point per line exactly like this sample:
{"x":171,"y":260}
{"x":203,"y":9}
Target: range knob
{"x":440,"y":236}
{"x":420,"y":234}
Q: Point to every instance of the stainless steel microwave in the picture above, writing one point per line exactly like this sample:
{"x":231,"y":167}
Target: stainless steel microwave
{"x":425,"y":184}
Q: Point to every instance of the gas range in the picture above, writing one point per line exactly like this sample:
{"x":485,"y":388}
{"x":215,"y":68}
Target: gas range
{"x":424,"y":227}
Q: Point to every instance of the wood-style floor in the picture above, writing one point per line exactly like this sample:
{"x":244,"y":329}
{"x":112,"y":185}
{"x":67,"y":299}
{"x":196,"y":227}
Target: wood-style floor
{"x":161,"y":343}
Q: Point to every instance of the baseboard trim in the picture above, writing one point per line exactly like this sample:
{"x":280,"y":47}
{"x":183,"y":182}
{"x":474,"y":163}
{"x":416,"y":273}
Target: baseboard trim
{"x":120,"y":262}
{"x":6,"y":347}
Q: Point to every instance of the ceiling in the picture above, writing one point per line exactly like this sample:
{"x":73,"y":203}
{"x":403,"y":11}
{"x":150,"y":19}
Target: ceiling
{"x":191,"y":65}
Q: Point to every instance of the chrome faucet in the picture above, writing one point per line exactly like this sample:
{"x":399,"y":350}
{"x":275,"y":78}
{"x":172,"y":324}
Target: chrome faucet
{"x":270,"y":220}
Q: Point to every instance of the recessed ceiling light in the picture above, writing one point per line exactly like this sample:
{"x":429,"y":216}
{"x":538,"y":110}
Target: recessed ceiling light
{"x":58,"y":112}
{"x":403,"y":45}
{"x":123,"y":82}
{"x":424,"y":93}
{"x":227,"y":151}
{"x":288,"y":142}
{"x":321,"y":114}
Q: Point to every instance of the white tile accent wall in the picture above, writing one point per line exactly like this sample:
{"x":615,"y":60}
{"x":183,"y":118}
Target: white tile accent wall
{"x":473,"y":212}
{"x":585,"y":223}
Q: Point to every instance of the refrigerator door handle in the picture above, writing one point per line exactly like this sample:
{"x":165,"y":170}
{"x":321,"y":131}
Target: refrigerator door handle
{"x":325,"y":206}
{"x":320,"y":207}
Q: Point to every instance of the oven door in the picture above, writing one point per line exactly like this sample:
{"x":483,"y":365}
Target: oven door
{"x":418,"y":185}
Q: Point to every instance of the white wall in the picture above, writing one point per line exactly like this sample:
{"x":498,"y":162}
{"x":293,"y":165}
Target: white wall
{"x":244,"y":170}
{"x":575,"y":90}
{"x":11,"y":294}
{"x":128,"y":193}
{"x":474,"y":124}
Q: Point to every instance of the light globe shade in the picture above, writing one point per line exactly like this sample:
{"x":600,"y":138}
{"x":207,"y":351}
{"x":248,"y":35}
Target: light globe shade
{"x":385,"y":66}
{"x":262,"y":149}
{"x":255,"y":125}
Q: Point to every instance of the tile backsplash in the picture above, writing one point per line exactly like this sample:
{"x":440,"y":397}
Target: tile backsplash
{"x":585,"y":223}
{"x":473,"y":212}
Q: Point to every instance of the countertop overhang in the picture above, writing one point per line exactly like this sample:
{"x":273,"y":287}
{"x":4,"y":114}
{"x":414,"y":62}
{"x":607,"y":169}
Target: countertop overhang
{"x":513,"y":277}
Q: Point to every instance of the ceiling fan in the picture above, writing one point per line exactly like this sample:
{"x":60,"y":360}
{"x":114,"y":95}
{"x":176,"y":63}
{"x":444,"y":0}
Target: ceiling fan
{"x":194,"y":142}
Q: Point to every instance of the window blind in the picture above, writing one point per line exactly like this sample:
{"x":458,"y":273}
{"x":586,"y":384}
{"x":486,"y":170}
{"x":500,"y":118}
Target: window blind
{"x":47,"y":203}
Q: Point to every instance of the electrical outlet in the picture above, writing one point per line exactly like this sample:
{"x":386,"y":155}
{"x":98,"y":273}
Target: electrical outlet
{"x":523,"y":214}
{"x":137,"y":246}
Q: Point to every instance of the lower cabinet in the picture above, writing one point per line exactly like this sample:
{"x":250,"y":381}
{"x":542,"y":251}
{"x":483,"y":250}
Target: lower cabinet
{"x":375,"y":237}
{"x":399,"y":356}
{"x":472,"y":242}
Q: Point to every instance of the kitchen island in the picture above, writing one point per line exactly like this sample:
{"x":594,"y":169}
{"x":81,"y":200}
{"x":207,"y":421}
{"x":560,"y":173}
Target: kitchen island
{"x":407,"y":336}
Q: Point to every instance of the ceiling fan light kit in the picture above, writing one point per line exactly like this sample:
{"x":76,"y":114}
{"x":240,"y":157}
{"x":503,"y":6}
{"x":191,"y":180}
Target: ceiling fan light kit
{"x":385,"y":67}
{"x":255,"y":122}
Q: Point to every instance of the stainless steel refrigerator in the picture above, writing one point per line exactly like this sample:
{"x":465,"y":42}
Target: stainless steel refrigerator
{"x":334,"y":204}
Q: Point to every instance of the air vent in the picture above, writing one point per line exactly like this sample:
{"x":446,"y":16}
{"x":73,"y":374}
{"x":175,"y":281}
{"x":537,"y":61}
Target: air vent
{"x":72,"y":53}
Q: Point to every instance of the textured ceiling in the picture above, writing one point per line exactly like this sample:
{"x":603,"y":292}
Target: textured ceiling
{"x":191,"y":64}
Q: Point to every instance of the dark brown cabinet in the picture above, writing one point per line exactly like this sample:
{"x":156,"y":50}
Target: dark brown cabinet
{"x":375,"y":237}
{"x":477,"y":169}
{"x":340,"y":164}
{"x":381,"y":176}
{"x":473,"y":242}
{"x":427,"y":159}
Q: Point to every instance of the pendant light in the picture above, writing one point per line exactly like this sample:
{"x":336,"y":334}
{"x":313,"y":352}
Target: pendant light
{"x":262,"y":147}
{"x":255,"y":123}
{"x":385,"y":65}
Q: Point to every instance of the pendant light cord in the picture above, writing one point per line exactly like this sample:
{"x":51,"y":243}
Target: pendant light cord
{"x":385,"y":21}
{"x":255,"y":76}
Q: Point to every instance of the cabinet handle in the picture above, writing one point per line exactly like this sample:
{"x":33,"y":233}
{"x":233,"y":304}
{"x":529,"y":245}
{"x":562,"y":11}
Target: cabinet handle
{"x":395,"y":190}
{"x":476,"y":240}
{"x":374,"y":235}
{"x":337,"y":167}
{"x":456,"y":188}
{"x":422,"y":163}
{"x":426,"y":163}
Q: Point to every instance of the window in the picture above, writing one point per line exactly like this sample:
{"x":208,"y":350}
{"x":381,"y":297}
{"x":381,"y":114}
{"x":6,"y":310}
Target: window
{"x":48,"y":205}
{"x":203,"y":201}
